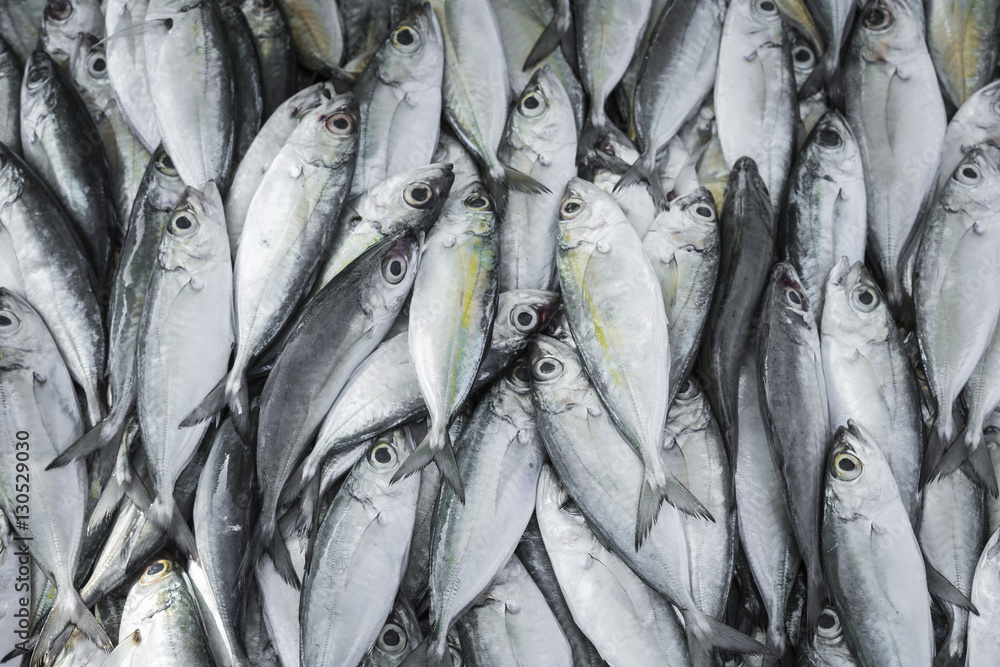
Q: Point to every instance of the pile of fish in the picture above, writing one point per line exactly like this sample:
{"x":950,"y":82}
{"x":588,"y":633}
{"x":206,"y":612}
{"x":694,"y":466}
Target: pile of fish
{"x":499,"y":332}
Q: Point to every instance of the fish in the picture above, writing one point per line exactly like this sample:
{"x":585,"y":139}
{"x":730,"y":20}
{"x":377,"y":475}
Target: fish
{"x":629,"y":622}
{"x":834,"y":19}
{"x":396,"y":638}
{"x":20,"y":24}
{"x":347,"y":319}
{"x":317,"y":31}
{"x":451,"y":314}
{"x":476,"y":93}
{"x":359,"y":557}
{"x":795,"y":406}
{"x":963,"y":42}
{"x":183,"y":345}
{"x":412,"y":199}
{"x":123,"y":21}
{"x":893,"y":104}
{"x":161,"y":607}
{"x":10,"y":98}
{"x":871,"y":556}
{"x":682,"y":247}
{"x":193,"y":94}
{"x":40,"y":416}
{"x":512,"y":625}
{"x":825,"y":216}
{"x":982,"y":640}
{"x":956,"y":243}
{"x":678,"y":72}
{"x":869,"y":377}
{"x":603,"y":473}
{"x":540,"y":140}
{"x":63,"y":145}
{"x":63,"y":21}
{"x":248,"y":87}
{"x":976,"y":122}
{"x":755,"y":94}
{"x":620,"y":329}
{"x":53,"y":273}
{"x":284,"y":238}
{"x":500,"y":456}
{"x":828,"y":646}
{"x":400,"y":101}
{"x":273,"y":39}
{"x":748,"y":243}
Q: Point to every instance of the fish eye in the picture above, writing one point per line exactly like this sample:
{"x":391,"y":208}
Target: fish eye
{"x":803,"y":57}
{"x":97,"y":64}
{"x":520,"y":374}
{"x":846,"y":466}
{"x":59,"y":10}
{"x":767,"y":7}
{"x":571,"y":207}
{"x":793,"y":296}
{"x":406,"y":39}
{"x":156,"y":571}
{"x":607,"y":147}
{"x":340,"y":123}
{"x":382,"y":455}
{"x":457,"y":659}
{"x":546,"y":369}
{"x":524,"y":319}
{"x":704,"y":212}
{"x":689,"y":391}
{"x":418,"y":195}
{"x":38,"y":73}
{"x":877,"y":18}
{"x":865,"y":298}
{"x":532,"y":105}
{"x":263,"y":5}
{"x":828,"y":626}
{"x":394,"y":268}
{"x":968,"y":174}
{"x":392,"y":639}
{"x":477,"y":202}
{"x":828,"y":137}
{"x":9,"y":323}
{"x":165,"y":165}
{"x":183,"y":224}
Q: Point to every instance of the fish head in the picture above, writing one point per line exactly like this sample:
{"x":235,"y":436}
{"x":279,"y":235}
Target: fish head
{"x":40,"y":86}
{"x":543,"y":117}
{"x":399,"y":635}
{"x":858,"y":479}
{"x":586,"y":214}
{"x":62,"y":23}
{"x":688,"y":413}
{"x":88,"y":66}
{"x":23,"y":334}
{"x":166,"y":186}
{"x":196,"y":232}
{"x":412,"y":199}
{"x":557,"y":375}
{"x":608,"y":151}
{"x":691,"y":220}
{"x":832,"y":149}
{"x":855,"y":306}
{"x":159,"y":587}
{"x":887,"y":31}
{"x":980,"y":113}
{"x":759,"y":20}
{"x":265,"y":18}
{"x":746,"y":194}
{"x":803,"y":58}
{"x":328,"y":134}
{"x":372,"y":474}
{"x":468,"y":210}
{"x":13,"y":173}
{"x":520,"y":315}
{"x":414,"y":50}
{"x":786,"y":297}
{"x":829,"y":632}
{"x":384,"y":291}
{"x":974,"y":189}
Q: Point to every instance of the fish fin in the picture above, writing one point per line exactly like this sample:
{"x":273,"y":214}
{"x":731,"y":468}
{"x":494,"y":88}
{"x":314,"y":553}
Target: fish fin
{"x":518,"y":180}
{"x":954,"y":458}
{"x":649,"y":509}
{"x":942,"y":589}
{"x":644,"y":171}
{"x":239,"y":411}
{"x":261,"y":536}
{"x":122,"y":655}
{"x":547,"y":42}
{"x":167,"y":516}
{"x":283,"y":560}
{"x":652,"y":495}
{"x":779,"y":643}
{"x":310,"y":512}
{"x":109,"y":501}
{"x":705,"y":634}
{"x":211,"y":405}
{"x":591,"y":137}
{"x":443,"y":456}
{"x":68,"y":611}
{"x":944,"y":660}
{"x":429,"y":653}
{"x":99,"y":438}
{"x":980,"y":468}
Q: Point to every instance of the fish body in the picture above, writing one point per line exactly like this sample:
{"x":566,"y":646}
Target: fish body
{"x":963,"y":41}
{"x":273,"y":39}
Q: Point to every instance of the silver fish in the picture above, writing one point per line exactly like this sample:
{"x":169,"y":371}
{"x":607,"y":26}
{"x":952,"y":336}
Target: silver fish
{"x":977,"y":121}
{"x":397,"y":637}
{"x":399,"y":96}
{"x":359,"y":556}
{"x":10,"y":98}
{"x":871,"y":557}
{"x":318,"y":30}
{"x":869,"y":377}
{"x":63,"y":21}
{"x":20,"y":24}
{"x":127,"y":67}
{"x":274,"y":48}
{"x":983,"y":643}
{"x":248,"y":87}
{"x":963,"y":41}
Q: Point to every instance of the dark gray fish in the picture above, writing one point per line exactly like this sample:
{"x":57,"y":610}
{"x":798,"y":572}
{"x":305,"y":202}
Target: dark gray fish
{"x":273,"y":38}
{"x":248,"y":86}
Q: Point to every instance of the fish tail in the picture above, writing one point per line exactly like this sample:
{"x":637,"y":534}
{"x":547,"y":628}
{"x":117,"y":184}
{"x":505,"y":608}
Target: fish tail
{"x":68,"y":612}
{"x":95,"y":407}
{"x":211,"y":405}
{"x":283,"y":560}
{"x":436,"y":446}
{"x":110,"y":498}
{"x":122,"y":655}
{"x":644,"y":171}
{"x":941,"y":589}
{"x":102,"y":436}
{"x":652,"y":495}
{"x":955,"y":457}
{"x":548,"y":41}
{"x":239,"y":409}
{"x":778,"y":642}
{"x":167,"y":516}
{"x":432,"y":652}
{"x":592,"y":135}
{"x":815,"y":593}
{"x":261,"y":536}
{"x":705,"y":634}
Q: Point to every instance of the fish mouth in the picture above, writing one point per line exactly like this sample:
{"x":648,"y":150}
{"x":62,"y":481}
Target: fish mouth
{"x":839,"y":272}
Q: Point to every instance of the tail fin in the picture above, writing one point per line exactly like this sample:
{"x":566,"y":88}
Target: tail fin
{"x":778,"y":642}
{"x":500,"y":179}
{"x":166,"y":515}
{"x":940,"y":588}
{"x":122,"y":655}
{"x":239,"y":410}
{"x":652,"y":495}
{"x":705,"y":634}
{"x":95,"y":408}
{"x":211,"y":405}
{"x":548,"y":41}
{"x":980,"y":466}
{"x":106,"y":505}
{"x":283,"y":560}
{"x":68,"y":611}
{"x":644,"y":171}
{"x":102,"y":436}
{"x":262,"y":535}
{"x":436,"y":446}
